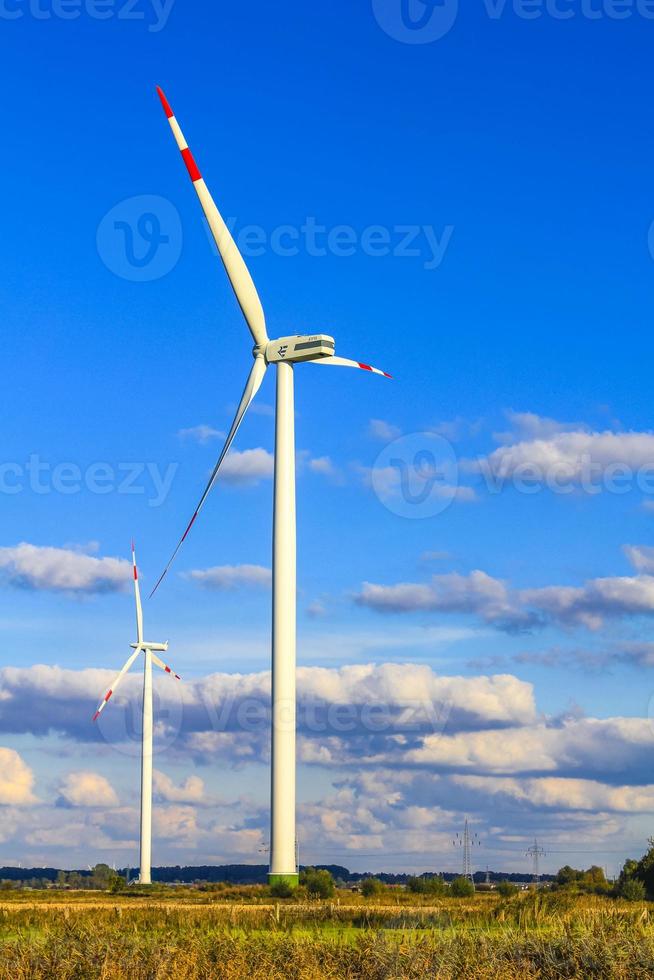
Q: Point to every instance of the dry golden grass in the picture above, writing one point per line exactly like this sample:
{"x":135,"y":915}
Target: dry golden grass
{"x":84,"y":937}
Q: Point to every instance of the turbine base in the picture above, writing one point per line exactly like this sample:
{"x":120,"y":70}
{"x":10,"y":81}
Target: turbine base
{"x":292,"y":879}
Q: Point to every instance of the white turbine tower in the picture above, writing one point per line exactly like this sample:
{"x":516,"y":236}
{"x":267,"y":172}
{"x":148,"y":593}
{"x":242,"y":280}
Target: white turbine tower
{"x":284,"y":353}
{"x":149,"y":651}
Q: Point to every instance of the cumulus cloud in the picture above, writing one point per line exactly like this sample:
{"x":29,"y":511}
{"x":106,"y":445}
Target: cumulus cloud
{"x":565,"y":794}
{"x":178,"y":823}
{"x":87,"y":789}
{"x":30,"y":566}
{"x":553,"y":454}
{"x":201,"y":434}
{"x":223,"y":577}
{"x":16,"y":780}
{"x":641,"y":557}
{"x":393,"y":698}
{"x":323,"y":466}
{"x":385,"y":431}
{"x":476,"y":593}
{"x":248,"y":467}
{"x":526,"y":426}
{"x":495,"y":602}
{"x":190,"y":791}
{"x":607,"y":748}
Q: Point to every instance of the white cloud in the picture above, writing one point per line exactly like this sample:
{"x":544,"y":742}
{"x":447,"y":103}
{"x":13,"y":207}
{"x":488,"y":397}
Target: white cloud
{"x":190,"y":791}
{"x":62,"y":570}
{"x":641,"y":557}
{"x":385,"y":431}
{"x":495,"y":602}
{"x":457,"y":429}
{"x":564,"y":456}
{"x":477,"y":593}
{"x":223,"y":577}
{"x":323,"y":466}
{"x":178,"y":823}
{"x":16,"y":780}
{"x":201,"y":434}
{"x":248,"y":467}
{"x":529,"y":426}
{"x":565,"y":794}
{"x":87,"y":789}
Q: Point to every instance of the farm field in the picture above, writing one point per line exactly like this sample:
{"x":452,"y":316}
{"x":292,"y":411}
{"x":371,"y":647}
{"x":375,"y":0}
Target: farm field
{"x":79,"y":936}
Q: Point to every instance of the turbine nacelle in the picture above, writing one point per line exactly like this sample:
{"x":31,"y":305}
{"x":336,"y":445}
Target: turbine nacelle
{"x":304,"y":348}
{"x":152,"y":647}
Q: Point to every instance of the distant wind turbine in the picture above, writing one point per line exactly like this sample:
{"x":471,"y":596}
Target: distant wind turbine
{"x":149,"y":651}
{"x":284,"y":353}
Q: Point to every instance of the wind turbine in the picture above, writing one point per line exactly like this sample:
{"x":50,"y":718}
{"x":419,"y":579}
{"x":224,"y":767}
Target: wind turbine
{"x":283,"y":353}
{"x":149,"y":651}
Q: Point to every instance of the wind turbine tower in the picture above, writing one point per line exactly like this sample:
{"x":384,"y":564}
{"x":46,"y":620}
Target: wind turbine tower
{"x":284,"y":353}
{"x":149,"y":651}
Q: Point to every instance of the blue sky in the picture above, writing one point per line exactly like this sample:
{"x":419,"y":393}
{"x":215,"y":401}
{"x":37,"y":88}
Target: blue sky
{"x":511,"y":157}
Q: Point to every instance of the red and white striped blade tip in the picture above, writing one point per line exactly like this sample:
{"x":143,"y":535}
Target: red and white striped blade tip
{"x":367,"y":367}
{"x":164,"y":101}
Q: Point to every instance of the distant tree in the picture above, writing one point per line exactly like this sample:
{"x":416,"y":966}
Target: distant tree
{"x":462,"y":888}
{"x":645,"y":869}
{"x":506,"y":889}
{"x":318,"y":883}
{"x":592,"y":880}
{"x":427,"y":885}
{"x":371,"y":886}
{"x":633,"y":890}
{"x":567,"y":876}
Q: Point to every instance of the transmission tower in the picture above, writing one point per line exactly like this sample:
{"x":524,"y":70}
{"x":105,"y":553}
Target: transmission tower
{"x":535,"y":853}
{"x":466,"y":842}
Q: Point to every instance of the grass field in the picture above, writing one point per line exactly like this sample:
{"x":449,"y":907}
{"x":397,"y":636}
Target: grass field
{"x":199,"y":934}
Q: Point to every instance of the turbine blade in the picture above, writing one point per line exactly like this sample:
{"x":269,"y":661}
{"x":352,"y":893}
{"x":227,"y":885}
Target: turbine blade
{"x":112,"y":689}
{"x":160,"y":663}
{"x":346,"y":362}
{"x":235,"y":267}
{"x":251,"y":388}
{"x":137,"y":595}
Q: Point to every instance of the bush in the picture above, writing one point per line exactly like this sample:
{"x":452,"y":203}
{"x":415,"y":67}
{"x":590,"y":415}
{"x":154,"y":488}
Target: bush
{"x":371,"y":886}
{"x":427,"y":885}
{"x":318,"y":883}
{"x":282,"y":889}
{"x":506,"y":889}
{"x":462,"y":888}
{"x":633,"y":890}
